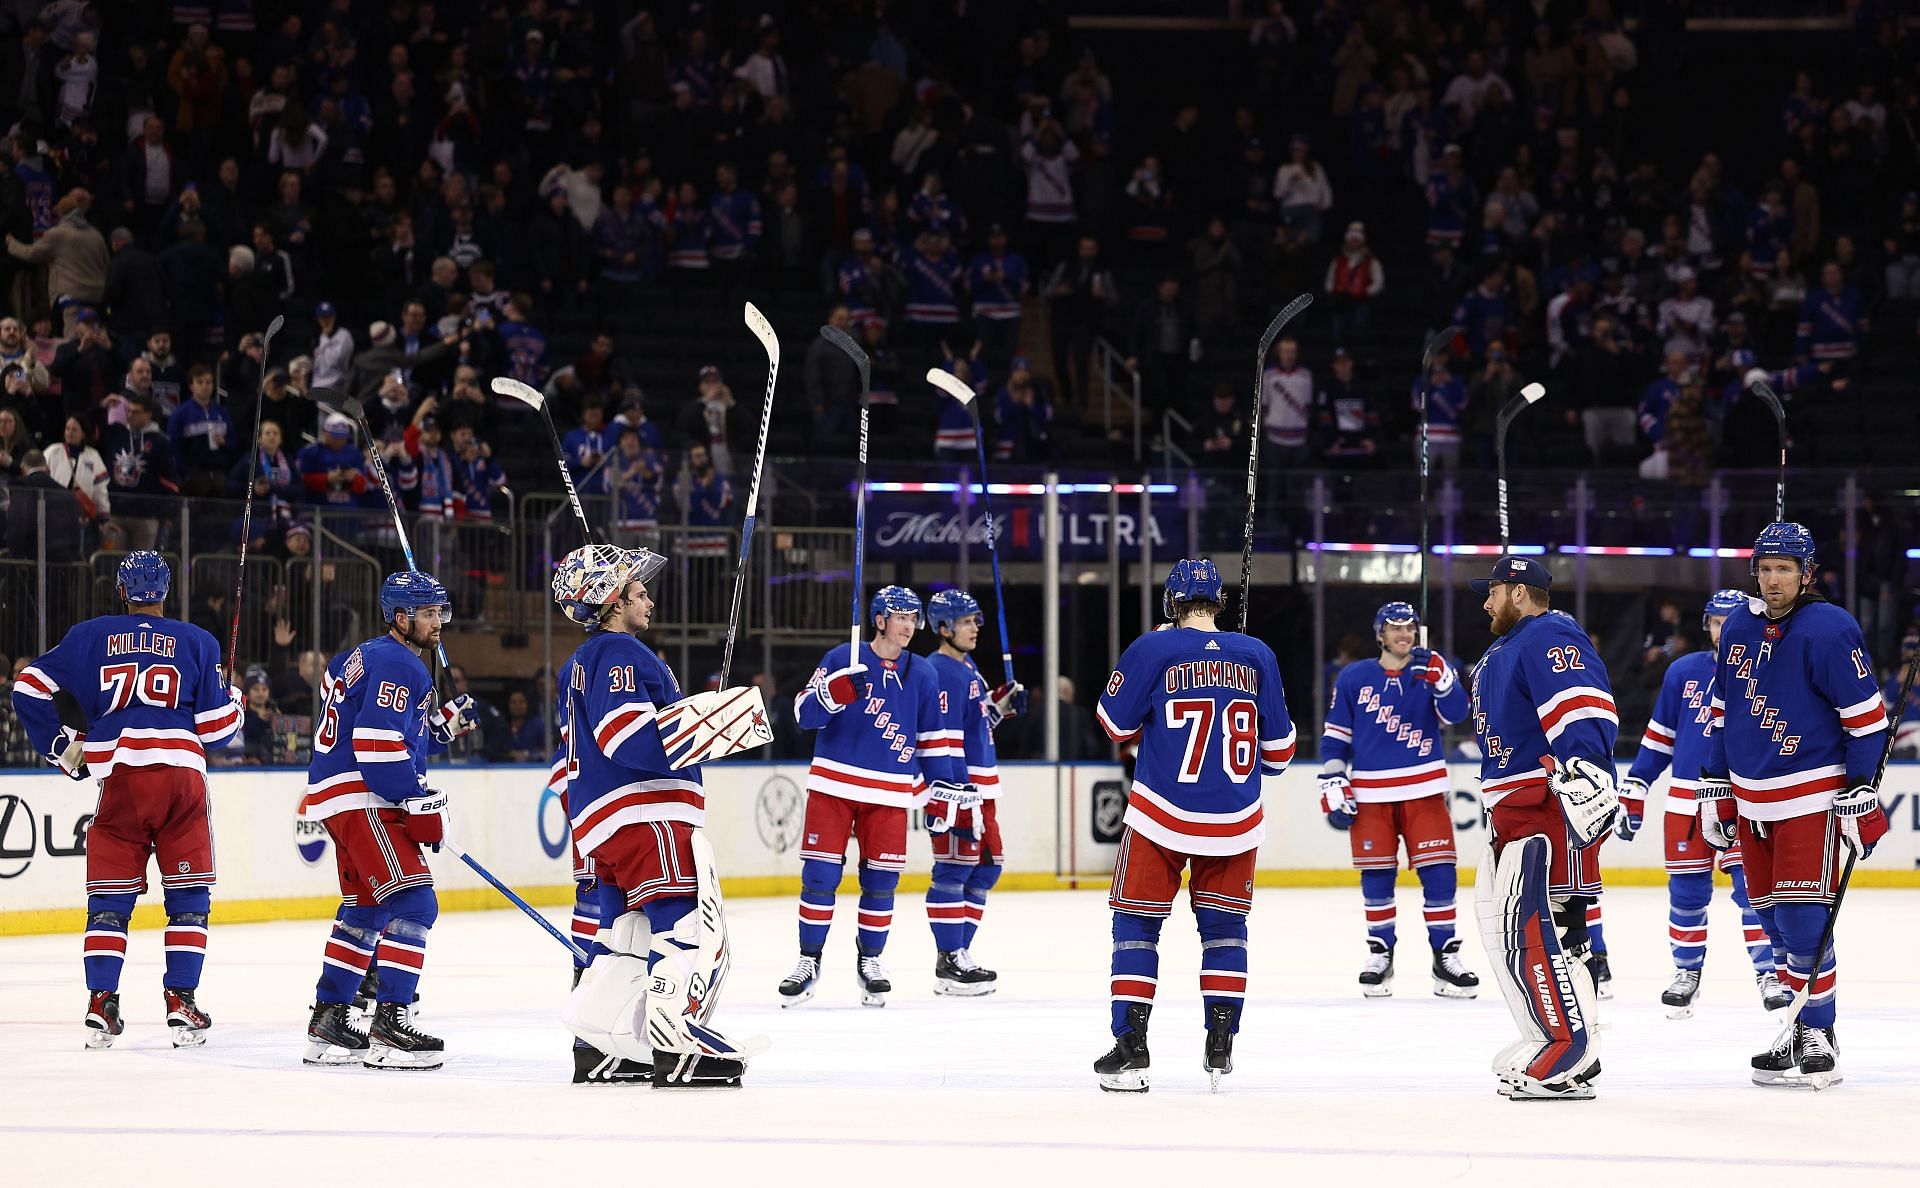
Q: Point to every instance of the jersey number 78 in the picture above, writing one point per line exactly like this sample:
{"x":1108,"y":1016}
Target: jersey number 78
{"x":1239,"y":739}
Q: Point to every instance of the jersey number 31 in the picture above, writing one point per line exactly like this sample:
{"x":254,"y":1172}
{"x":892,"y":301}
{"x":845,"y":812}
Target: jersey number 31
{"x":1239,"y":741}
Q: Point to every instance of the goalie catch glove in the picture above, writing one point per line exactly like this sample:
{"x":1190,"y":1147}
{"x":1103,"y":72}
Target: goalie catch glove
{"x":1336,"y":795}
{"x":1633,"y":808}
{"x":69,"y":753}
{"x":1719,"y":816}
{"x":950,"y":804}
{"x":453,"y":719}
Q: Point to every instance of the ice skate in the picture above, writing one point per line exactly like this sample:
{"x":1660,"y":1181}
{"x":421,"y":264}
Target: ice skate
{"x":797,"y":987}
{"x":1773,"y":995}
{"x":1775,"y":1065}
{"x":1451,"y":977}
{"x":1376,"y":976}
{"x":990,"y":975}
{"x":332,"y":1039}
{"x":958,"y":975}
{"x":103,"y":1019}
{"x":874,"y":983}
{"x":591,"y":1066}
{"x":1681,"y":993}
{"x":696,"y":1070}
{"x":1602,"y":975}
{"x":186,"y":1022}
{"x":394,"y":1043}
{"x":1819,"y":1060}
{"x":1217,"y":1056}
{"x":1519,"y":1087}
{"x":1124,"y":1069}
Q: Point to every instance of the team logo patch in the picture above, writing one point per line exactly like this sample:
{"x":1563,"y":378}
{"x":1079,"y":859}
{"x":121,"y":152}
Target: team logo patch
{"x":1772,"y":631}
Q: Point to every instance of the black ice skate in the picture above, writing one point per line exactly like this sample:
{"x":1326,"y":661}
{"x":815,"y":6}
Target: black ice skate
{"x":1451,"y":977}
{"x":1376,"y":976}
{"x":394,"y":1043}
{"x":1124,"y":1069}
{"x":872,"y":976}
{"x":1681,"y":994}
{"x":1775,"y":1065}
{"x":1804,"y":1058}
{"x":332,"y":1039}
{"x":591,"y":1066}
{"x":1217,"y":1057}
{"x":957,"y":974}
{"x":1773,"y":995}
{"x":798,"y":985}
{"x":186,"y":1022}
{"x":692,"y":1070}
{"x":369,"y":992}
{"x":992,"y":976}
{"x":103,"y":1019}
{"x":1602,"y":974}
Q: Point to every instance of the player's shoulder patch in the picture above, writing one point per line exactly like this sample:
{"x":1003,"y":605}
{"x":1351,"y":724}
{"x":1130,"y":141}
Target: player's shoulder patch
{"x":354,"y":669}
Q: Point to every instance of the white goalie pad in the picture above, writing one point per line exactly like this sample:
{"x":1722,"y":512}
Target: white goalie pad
{"x":714,"y":724}
{"x":690,"y":966}
{"x":607,"y":1009}
{"x":1549,"y":991}
{"x":1588,"y":796}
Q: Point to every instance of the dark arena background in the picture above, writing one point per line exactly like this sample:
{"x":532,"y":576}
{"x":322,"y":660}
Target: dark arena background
{"x":264,"y":259}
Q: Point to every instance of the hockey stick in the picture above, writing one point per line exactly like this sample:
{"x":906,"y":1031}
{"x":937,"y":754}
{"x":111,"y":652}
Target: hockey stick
{"x":579,"y":954}
{"x":770,"y":342}
{"x":955,"y":387}
{"x":1516,"y":405}
{"x":359,"y":414}
{"x":851,"y":350}
{"x":529,"y":395}
{"x":1772,"y":401}
{"x":1267,"y":340}
{"x":1434,"y":344}
{"x":246,"y":512}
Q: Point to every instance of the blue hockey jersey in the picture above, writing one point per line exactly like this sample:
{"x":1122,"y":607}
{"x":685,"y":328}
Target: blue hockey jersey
{"x":1677,"y":732}
{"x":611,"y":692}
{"x":371,"y":745}
{"x":1541,"y":690}
{"x":1210,"y":714}
{"x":888,"y":749}
{"x":933,"y":285}
{"x":997,"y":283}
{"x":963,"y":708}
{"x":150,"y":688}
{"x":734,"y":222}
{"x":1797,"y":714}
{"x":1385,"y":725}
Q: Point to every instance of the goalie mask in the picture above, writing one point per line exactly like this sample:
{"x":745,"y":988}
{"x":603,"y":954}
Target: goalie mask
{"x":592,"y":578}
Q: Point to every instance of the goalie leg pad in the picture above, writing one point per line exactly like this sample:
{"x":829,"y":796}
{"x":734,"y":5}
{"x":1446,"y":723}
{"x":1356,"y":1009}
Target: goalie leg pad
{"x":605,"y":1007}
{"x":680,"y":988}
{"x":1546,"y":987}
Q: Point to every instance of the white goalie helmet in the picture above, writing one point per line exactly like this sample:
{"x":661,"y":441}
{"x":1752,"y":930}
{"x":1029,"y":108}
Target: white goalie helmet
{"x":591,"y":578}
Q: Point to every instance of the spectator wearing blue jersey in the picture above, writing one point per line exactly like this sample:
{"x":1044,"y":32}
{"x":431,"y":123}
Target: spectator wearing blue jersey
{"x":202,"y":436}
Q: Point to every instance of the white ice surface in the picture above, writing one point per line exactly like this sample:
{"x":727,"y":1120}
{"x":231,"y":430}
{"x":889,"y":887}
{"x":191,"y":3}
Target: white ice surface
{"x":1328,"y":1085}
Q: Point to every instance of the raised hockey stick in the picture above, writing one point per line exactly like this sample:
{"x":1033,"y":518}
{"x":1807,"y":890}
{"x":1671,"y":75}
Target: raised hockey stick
{"x":529,"y":395}
{"x":358,"y":412}
{"x":1267,"y":340}
{"x":770,"y":342}
{"x":1516,"y":405}
{"x":246,"y":511}
{"x":1425,"y":389}
{"x":1772,"y":401}
{"x":851,"y":350}
{"x":955,"y":387}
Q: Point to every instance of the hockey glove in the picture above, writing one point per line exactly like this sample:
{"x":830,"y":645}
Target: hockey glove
{"x":453,"y":719}
{"x":1006,"y":701}
{"x":1633,"y":808}
{"x":1425,"y":664}
{"x":69,"y":753}
{"x":1862,"y":823}
{"x":1336,"y":796}
{"x":1719,"y":815}
{"x":843,"y":687}
{"x":950,"y":804}
{"x":1588,"y":798}
{"x":427,"y":817}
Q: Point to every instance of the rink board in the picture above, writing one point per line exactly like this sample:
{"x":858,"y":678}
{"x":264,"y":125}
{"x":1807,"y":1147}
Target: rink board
{"x":1058,"y":823}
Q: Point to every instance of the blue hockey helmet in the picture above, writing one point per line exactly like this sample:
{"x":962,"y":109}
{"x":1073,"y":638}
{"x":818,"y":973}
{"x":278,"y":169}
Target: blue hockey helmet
{"x":144,"y":578}
{"x":1400,"y":614}
{"x":1722,"y":604}
{"x":1783,"y":538}
{"x":1190,"y":580}
{"x":949,"y":607}
{"x":410,"y":590}
{"x":896,"y":600}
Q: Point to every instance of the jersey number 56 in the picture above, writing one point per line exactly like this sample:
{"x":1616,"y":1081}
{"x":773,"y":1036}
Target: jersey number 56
{"x":1239,"y":738}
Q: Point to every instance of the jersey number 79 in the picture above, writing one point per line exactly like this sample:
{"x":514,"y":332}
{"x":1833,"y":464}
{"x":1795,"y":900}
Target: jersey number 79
{"x":1239,"y":740}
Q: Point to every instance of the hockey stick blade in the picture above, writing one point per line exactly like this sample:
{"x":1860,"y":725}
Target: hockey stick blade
{"x":762,"y":330}
{"x":1293,"y":310}
{"x":951,"y":384}
{"x":851,"y":350}
{"x":526,"y":394}
{"x":1517,"y":404}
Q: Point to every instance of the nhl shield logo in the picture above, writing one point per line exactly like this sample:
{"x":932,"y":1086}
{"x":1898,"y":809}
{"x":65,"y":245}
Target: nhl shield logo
{"x":1109,"y":811}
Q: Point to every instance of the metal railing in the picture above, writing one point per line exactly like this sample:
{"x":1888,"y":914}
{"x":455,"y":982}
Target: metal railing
{"x":1117,"y":379}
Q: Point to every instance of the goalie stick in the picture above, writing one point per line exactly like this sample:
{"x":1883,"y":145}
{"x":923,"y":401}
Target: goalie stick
{"x":246,"y":511}
{"x":957,"y":388}
{"x":531,"y":396}
{"x":852,"y":351}
{"x":1267,"y":340}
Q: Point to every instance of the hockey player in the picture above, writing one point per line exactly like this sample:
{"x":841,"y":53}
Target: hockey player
{"x":1677,"y":734}
{"x":1544,"y":715}
{"x":637,"y":819}
{"x":1211,"y":720}
{"x":1798,"y":730}
{"x":967,"y":852}
{"x":881,"y":748}
{"x":1383,"y":779}
{"x":367,"y":784}
{"x":150,"y":703}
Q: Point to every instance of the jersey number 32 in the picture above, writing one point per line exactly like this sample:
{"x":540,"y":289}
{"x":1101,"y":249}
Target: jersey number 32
{"x":1239,"y":740}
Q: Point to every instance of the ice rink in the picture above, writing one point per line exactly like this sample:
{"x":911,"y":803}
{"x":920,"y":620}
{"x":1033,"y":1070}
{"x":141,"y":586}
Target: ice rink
{"x":1328,"y":1085}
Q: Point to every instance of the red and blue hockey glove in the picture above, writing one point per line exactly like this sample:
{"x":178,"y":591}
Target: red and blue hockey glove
{"x":1633,"y":808}
{"x":427,"y":817}
{"x":1862,"y":823}
{"x":453,"y":719}
{"x":69,"y":753}
{"x":1719,"y":815}
{"x":1425,"y":664}
{"x":950,"y":804}
{"x":1006,"y":701}
{"x":843,"y":687}
{"x":1336,"y":796}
